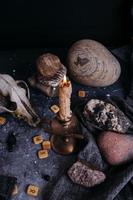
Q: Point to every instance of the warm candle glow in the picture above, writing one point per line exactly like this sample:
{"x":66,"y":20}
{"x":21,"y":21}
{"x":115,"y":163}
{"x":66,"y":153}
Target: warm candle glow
{"x":65,"y":79}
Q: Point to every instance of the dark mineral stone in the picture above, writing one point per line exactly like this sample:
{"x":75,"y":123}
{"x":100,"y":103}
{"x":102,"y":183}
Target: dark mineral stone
{"x":85,"y":175}
{"x":106,"y":116}
{"x":6,"y":186}
{"x":11,"y":142}
{"x":116,"y":148}
{"x":46,"y":177}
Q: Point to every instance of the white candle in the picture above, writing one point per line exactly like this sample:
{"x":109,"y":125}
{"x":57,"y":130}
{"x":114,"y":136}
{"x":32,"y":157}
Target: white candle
{"x":65,"y":91}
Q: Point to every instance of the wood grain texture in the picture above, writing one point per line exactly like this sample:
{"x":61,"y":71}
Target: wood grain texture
{"x":48,"y":65}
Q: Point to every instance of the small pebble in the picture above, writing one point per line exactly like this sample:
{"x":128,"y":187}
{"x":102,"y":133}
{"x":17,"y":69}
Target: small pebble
{"x":46,"y":177}
{"x":11,"y":142}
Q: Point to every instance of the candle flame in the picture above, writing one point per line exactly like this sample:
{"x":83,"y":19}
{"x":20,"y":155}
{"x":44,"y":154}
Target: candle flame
{"x":65,"y":79}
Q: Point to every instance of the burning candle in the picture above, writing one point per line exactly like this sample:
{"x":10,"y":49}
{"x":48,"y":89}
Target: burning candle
{"x":65,"y":91}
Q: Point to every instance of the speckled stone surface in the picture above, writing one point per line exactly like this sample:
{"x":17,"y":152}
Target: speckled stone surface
{"x":85,"y":175}
{"x":23,"y":162}
{"x":91,"y":64}
{"x":116,"y":148}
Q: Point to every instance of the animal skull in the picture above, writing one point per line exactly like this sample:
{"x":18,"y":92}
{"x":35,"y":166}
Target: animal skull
{"x":10,"y":87}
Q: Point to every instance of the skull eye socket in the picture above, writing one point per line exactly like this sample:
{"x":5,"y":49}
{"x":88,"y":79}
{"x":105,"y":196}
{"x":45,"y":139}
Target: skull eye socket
{"x":12,"y":106}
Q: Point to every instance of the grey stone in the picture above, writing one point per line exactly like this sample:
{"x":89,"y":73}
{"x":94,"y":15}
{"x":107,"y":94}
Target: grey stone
{"x":91,"y":64}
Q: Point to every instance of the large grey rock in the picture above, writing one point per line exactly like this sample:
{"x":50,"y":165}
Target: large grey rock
{"x":90,"y":63}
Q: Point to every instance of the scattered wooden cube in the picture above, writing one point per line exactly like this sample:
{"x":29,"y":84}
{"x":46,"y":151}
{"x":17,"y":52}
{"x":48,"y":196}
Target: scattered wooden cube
{"x":81,"y":93}
{"x":15,"y":190}
{"x":55,"y":108}
{"x":37,"y":139}
{"x":42,"y":154}
{"x":2,"y":120}
{"x":32,"y":190}
{"x":46,"y":145}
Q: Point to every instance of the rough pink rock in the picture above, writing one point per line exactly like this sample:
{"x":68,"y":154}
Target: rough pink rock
{"x":116,"y":148}
{"x":85,"y":174}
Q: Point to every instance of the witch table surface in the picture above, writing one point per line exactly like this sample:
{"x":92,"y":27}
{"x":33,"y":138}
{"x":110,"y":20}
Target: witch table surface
{"x":23,"y":162}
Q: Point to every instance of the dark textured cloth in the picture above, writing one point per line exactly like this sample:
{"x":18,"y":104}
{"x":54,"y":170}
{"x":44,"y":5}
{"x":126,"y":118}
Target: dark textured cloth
{"x":117,"y":178}
{"x":23,"y":162}
{"x":119,"y":182}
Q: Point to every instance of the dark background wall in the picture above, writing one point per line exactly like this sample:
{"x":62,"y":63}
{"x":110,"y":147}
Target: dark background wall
{"x":36,"y":23}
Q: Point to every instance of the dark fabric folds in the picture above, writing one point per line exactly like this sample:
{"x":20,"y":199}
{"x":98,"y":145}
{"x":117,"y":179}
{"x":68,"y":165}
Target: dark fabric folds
{"x":119,"y":179}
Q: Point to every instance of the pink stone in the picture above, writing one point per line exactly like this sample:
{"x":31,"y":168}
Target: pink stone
{"x":85,"y":174}
{"x":116,"y":148}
